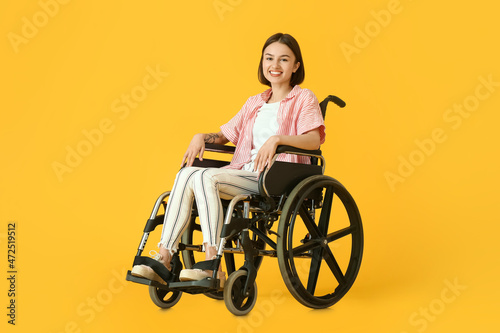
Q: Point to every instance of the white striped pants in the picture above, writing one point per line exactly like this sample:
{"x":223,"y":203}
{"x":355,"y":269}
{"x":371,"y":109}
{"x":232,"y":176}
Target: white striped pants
{"x":207,"y":186}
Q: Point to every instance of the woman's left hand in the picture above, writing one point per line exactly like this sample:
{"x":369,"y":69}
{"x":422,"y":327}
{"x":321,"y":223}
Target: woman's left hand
{"x":266,"y":154}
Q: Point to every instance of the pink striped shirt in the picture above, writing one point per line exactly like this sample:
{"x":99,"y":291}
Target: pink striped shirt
{"x":298,"y":113}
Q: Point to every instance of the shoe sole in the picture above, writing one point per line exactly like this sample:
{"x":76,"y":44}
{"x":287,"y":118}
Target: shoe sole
{"x":147,"y":273}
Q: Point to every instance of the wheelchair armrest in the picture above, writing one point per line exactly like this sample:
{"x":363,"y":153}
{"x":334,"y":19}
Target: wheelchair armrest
{"x":297,"y":151}
{"x":280,"y":150}
{"x":220,"y":148}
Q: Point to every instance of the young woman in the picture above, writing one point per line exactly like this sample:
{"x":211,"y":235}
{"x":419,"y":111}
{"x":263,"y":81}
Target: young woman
{"x":285,"y":114}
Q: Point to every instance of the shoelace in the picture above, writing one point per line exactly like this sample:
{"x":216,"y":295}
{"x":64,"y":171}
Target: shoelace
{"x":155,"y":255}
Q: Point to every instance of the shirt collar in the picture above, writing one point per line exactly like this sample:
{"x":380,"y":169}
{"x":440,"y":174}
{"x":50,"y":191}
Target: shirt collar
{"x":266,"y":94}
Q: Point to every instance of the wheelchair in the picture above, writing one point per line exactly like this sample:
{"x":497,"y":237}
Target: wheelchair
{"x":318,"y":240}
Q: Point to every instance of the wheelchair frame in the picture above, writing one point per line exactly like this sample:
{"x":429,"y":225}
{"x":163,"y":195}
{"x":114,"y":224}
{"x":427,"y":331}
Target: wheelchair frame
{"x":296,"y":199}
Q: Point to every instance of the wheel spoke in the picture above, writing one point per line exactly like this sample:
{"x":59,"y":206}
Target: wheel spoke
{"x":309,"y":222}
{"x":333,"y":265}
{"x":324,"y":218}
{"x":339,"y":234}
{"x":314,"y":270}
{"x":310,"y":245}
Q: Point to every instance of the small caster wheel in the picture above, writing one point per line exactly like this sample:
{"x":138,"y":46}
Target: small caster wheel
{"x":164,"y":298}
{"x":236,"y":302}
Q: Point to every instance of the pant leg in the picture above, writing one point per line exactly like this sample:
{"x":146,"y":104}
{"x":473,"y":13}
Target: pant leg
{"x":210,"y":185}
{"x":179,"y":207}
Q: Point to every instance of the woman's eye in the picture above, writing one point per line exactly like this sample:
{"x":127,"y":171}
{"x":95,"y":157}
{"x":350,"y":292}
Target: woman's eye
{"x":284,"y":59}
{"x":269,"y":59}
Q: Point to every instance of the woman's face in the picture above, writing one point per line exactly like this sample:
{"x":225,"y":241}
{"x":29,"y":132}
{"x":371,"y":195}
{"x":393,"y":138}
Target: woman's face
{"x":279,"y":63}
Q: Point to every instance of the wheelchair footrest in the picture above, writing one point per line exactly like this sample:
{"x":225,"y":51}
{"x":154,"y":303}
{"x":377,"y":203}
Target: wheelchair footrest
{"x":144,"y":281}
{"x":196,"y":287}
{"x":190,"y":287}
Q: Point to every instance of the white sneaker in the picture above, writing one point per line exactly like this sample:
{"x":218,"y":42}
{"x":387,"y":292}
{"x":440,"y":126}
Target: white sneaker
{"x":147,"y":272}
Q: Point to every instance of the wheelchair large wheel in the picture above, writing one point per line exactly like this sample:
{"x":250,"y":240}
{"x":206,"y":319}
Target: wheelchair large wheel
{"x":320,"y":242}
{"x":189,"y":259}
{"x":236,"y":302}
{"x":164,"y":298}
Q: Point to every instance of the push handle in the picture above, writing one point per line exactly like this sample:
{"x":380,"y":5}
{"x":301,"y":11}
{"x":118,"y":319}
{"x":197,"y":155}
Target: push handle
{"x":330,"y":98}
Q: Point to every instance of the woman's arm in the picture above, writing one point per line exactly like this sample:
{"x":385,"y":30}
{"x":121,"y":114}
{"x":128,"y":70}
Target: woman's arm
{"x":197,"y":146}
{"x":309,"y":141}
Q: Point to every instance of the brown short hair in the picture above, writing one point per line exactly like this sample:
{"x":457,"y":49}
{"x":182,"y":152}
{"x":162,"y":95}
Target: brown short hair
{"x":288,"y":40}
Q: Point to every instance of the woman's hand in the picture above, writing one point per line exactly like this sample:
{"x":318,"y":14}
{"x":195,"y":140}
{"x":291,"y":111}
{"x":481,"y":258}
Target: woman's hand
{"x":196,"y":148}
{"x":266,"y":154}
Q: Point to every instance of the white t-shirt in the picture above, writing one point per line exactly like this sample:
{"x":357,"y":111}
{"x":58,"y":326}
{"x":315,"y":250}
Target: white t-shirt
{"x":265,"y":126}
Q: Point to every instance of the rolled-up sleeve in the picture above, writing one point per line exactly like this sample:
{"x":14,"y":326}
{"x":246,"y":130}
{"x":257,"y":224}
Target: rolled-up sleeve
{"x":310,"y":116}
{"x":233,"y":127}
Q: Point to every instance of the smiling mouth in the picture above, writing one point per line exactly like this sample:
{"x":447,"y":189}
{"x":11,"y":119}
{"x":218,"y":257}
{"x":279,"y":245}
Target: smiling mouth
{"x":273,"y":73}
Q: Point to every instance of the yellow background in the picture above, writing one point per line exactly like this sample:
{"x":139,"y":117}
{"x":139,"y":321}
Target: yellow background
{"x":78,"y":231}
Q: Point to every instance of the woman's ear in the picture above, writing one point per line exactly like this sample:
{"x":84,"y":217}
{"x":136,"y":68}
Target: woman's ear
{"x":296,"y":67}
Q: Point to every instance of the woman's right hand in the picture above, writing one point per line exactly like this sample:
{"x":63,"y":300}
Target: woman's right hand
{"x":196,"y":148}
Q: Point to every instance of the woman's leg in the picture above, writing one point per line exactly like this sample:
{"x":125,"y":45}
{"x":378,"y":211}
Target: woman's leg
{"x":177,"y":216}
{"x":178,"y":211}
{"x":210,"y":185}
